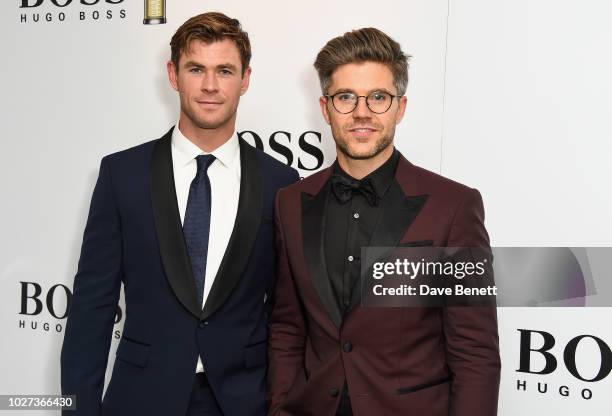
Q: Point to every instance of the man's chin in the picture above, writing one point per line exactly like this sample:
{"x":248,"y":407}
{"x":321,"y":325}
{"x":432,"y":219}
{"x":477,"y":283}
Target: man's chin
{"x":210,"y":124}
{"x":361,"y":154}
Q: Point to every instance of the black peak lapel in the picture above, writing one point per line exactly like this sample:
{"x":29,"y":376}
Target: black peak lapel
{"x":313,"y":230}
{"x":169,"y":228}
{"x":244,"y":234}
{"x":398,"y":211}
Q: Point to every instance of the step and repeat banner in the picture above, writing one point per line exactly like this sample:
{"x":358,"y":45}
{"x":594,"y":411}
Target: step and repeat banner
{"x":510,"y":97}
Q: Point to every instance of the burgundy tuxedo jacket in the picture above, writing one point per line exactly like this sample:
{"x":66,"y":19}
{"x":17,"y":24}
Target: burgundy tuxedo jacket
{"x":396,"y":361}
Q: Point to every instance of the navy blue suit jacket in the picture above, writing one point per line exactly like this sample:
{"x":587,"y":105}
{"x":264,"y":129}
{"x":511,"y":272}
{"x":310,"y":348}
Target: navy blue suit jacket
{"x":134,"y":235}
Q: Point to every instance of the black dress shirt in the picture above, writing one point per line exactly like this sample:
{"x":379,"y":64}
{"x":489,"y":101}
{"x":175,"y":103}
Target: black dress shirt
{"x":349,"y":227}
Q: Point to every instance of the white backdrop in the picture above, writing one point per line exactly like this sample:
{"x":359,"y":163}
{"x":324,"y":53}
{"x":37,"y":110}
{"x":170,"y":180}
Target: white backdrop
{"x":511,"y":97}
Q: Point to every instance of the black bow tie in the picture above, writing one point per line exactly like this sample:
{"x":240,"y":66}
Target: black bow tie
{"x":344,"y":189}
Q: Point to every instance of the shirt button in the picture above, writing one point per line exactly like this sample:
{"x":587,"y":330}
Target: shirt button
{"x":347,"y":347}
{"x":334,"y":392}
{"x":351,"y":258}
{"x":356,"y":215}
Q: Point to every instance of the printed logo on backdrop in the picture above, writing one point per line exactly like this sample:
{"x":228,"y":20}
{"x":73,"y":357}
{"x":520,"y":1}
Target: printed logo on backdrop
{"x":59,"y":11}
{"x":44,"y":309}
{"x":553,"y":367}
{"x":278,"y":145}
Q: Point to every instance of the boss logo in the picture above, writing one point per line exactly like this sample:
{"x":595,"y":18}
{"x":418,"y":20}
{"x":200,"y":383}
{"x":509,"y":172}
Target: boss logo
{"x":64,"y":3}
{"x":56,"y":301}
{"x":545,"y":342}
{"x":278,"y":142}
{"x":31,"y":14}
{"x":569,"y":355}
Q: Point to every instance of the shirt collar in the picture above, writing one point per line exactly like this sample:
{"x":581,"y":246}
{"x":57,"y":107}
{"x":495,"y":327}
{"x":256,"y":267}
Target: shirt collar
{"x":186,"y":150}
{"x":381,"y":178}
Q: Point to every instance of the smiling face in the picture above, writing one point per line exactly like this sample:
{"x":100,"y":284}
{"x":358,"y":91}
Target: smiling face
{"x":363,"y":134}
{"x":210,"y":81}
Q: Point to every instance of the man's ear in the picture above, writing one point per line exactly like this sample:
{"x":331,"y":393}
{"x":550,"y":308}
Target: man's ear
{"x":172,"y":74}
{"x":246,"y":78}
{"x":402,"y":101}
{"x":324,"y":108}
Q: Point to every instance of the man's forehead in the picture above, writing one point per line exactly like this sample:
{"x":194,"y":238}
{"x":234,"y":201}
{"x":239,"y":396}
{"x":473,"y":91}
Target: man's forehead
{"x":362,"y":77}
{"x":222,"y":49}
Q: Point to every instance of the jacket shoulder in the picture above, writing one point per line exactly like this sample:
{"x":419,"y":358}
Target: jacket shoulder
{"x":270,"y":163}
{"x":274,"y":170}
{"x":431,"y":182}
{"x":316,"y":180}
{"x":143,"y":149}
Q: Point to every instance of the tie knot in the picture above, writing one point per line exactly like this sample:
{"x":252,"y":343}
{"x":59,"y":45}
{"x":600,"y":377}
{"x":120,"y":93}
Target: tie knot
{"x":344,"y":188}
{"x":204,"y":162}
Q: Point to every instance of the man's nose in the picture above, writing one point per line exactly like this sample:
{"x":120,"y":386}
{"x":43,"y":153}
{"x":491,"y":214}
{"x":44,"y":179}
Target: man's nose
{"x":362,"y":110}
{"x":209,"y":83}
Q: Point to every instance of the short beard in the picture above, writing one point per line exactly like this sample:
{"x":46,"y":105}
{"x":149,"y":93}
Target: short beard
{"x":205,"y":125}
{"x":382,"y":143}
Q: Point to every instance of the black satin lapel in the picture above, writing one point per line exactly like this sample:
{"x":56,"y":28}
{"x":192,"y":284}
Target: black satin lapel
{"x":244,"y":234}
{"x":398,"y":211}
{"x":168,"y":226}
{"x":313,"y":231}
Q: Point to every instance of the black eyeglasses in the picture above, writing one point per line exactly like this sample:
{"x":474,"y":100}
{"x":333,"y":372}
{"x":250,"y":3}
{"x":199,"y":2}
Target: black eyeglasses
{"x":378,"y":102}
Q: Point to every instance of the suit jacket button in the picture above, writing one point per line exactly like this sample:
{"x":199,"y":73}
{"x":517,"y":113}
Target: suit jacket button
{"x":347,"y":347}
{"x":334,"y":392}
{"x":202,"y":324}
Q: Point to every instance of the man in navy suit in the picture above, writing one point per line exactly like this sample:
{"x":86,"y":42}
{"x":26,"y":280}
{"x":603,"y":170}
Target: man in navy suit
{"x":185,"y":222}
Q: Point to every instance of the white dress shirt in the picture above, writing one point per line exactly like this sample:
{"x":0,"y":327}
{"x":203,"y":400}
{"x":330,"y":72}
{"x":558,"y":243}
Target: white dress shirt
{"x":224,"y":174}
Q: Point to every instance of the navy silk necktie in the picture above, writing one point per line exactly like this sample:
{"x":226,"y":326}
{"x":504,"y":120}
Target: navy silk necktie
{"x":196,"y":226}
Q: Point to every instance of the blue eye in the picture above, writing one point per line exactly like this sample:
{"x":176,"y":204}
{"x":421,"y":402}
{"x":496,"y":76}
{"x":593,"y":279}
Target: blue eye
{"x":346,"y":96}
{"x":379,"y":96}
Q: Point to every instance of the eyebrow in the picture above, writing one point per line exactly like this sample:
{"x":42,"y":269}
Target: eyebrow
{"x":341,"y":90}
{"x":190,"y":64}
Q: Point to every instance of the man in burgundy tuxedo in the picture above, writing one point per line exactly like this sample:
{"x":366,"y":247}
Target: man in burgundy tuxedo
{"x":328,"y":354}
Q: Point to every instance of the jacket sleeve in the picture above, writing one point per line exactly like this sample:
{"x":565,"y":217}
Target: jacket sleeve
{"x":95,"y":297}
{"x":287,"y":327}
{"x":472,"y":343}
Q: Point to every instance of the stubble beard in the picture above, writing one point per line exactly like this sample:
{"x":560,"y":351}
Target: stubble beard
{"x":202,"y":123}
{"x":381,"y":144}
